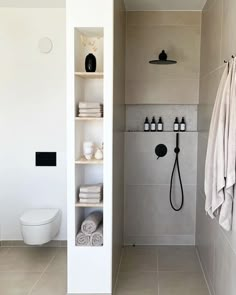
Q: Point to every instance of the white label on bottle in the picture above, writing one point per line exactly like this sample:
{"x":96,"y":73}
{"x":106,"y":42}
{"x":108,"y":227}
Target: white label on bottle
{"x":146,"y":127}
{"x":182,"y":127}
{"x":159,"y":127}
{"x":153,"y":126}
{"x":176,"y":127}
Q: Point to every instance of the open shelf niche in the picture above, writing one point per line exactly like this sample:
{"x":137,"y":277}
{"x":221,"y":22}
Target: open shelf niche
{"x":88,"y":88}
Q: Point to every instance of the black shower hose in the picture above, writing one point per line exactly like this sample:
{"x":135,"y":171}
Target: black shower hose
{"x":176,"y":164}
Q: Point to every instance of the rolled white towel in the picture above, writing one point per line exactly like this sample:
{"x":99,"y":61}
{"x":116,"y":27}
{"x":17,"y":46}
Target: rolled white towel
{"x":82,"y":239}
{"x":91,"y":223}
{"x":97,"y":237}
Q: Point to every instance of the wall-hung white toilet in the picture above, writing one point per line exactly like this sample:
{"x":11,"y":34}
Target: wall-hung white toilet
{"x":39,"y":226}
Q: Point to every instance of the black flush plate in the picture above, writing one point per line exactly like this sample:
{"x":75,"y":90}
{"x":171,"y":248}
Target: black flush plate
{"x":46,"y":159}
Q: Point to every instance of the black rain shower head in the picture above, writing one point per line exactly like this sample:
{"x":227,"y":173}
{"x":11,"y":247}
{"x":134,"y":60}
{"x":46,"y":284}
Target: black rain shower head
{"x":162,"y":60}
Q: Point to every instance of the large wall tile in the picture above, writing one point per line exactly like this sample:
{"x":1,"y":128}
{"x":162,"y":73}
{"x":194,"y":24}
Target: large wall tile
{"x":149,"y":218}
{"x":211,"y":38}
{"x":216,"y":247}
{"x":205,"y":238}
{"x":153,"y":215}
{"x":225,"y":267}
{"x":228,"y":45}
{"x":142,"y":166}
{"x":202,"y":148}
{"x":148,"y":34}
{"x":163,"y":18}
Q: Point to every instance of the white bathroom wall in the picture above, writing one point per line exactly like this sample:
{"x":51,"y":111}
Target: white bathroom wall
{"x":32,"y":114}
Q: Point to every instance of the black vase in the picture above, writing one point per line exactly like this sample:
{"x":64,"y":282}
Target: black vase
{"x":90,"y":63}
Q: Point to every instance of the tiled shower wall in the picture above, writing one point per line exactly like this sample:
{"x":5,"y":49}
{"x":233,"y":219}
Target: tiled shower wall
{"x":166,"y":91}
{"x":216,"y":247}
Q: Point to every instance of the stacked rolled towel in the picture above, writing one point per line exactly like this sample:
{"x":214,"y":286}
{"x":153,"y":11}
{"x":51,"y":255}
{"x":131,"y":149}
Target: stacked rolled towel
{"x":91,"y":194}
{"x":97,"y":237}
{"x":90,"y":109}
{"x":91,"y":232}
{"x":82,"y":239}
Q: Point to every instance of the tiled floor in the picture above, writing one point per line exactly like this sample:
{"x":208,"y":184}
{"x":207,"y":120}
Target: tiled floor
{"x":32,"y":271}
{"x":143,"y":271}
{"x":161,"y":271}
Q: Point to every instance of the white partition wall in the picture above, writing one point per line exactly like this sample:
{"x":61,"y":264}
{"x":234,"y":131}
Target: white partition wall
{"x":89,"y":268}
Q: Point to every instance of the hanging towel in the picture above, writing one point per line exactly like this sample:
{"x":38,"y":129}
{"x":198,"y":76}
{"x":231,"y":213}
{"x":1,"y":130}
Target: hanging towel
{"x":97,"y":237}
{"x":215,"y":167}
{"x":82,"y":239}
{"x":91,"y":223}
{"x":226,"y":212}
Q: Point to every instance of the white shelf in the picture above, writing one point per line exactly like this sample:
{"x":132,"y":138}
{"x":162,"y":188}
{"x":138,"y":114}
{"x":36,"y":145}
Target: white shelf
{"x":83,"y":161}
{"x":90,"y":75}
{"x":88,"y":118}
{"x":89,"y":205}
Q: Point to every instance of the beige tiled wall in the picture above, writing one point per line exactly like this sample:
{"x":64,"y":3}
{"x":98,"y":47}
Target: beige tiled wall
{"x":149,"y":218}
{"x":147,"y":34}
{"x":217,"y":248}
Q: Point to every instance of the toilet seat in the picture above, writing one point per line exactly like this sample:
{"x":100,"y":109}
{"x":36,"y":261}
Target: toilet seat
{"x":36,"y":217}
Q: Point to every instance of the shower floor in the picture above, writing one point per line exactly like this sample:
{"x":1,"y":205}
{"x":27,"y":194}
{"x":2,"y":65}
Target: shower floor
{"x":162,"y":270}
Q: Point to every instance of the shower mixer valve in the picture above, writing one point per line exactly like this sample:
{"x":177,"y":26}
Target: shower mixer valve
{"x":160,"y":150}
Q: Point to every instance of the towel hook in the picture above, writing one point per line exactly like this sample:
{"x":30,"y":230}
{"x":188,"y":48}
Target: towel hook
{"x":227,"y":61}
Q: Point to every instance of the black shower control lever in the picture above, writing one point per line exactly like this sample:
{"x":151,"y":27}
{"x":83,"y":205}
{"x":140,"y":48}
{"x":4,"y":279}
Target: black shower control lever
{"x":160,"y":151}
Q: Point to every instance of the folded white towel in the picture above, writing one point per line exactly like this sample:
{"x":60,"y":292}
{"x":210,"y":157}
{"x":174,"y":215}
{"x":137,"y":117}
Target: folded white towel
{"x":95,"y":115}
{"x":94,"y":188}
{"x":85,"y":111}
{"x":90,"y":105}
{"x":90,"y":195}
{"x":82,"y":239}
{"x":91,"y":223}
{"x":90,"y":201}
{"x":97,"y":237}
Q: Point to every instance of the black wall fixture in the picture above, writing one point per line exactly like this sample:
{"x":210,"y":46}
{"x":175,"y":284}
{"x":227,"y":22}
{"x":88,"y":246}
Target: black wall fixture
{"x":46,"y":159}
{"x":160,"y":150}
{"x":163,"y":60}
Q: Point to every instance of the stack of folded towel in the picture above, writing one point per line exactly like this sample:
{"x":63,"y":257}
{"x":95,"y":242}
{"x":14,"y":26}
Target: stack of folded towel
{"x":91,"y":231}
{"x":91,"y":194}
{"x":90,"y":109}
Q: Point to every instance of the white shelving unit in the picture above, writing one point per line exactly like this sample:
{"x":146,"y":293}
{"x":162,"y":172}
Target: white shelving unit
{"x":89,"y":23}
{"x":88,"y":87}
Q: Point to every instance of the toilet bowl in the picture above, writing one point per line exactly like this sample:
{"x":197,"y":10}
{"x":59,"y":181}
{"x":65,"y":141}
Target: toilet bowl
{"x":39,"y":226}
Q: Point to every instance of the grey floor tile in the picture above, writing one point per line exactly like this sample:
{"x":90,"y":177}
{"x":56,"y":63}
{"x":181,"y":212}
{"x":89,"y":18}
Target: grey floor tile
{"x":51,"y":284}
{"x":178,"y":258}
{"x":59,"y":262}
{"x":26,"y":259}
{"x":139,"y":259}
{"x":181,"y":283}
{"x":3,"y":251}
{"x":131,"y":283}
{"x":17,"y":283}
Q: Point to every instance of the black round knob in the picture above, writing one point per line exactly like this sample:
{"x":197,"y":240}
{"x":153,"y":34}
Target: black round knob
{"x":161,"y":150}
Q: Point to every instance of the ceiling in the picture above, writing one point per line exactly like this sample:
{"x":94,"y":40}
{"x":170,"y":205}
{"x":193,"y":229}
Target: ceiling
{"x":143,"y":5}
